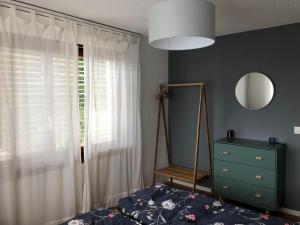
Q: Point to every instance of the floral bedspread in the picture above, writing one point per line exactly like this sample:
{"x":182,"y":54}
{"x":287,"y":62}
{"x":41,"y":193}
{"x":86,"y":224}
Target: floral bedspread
{"x":103,"y":217}
{"x":161,"y":204}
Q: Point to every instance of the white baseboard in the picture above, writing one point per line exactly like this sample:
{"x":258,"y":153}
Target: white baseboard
{"x":208,"y":190}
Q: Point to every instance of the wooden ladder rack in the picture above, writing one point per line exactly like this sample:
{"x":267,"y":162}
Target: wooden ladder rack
{"x":178,"y":172}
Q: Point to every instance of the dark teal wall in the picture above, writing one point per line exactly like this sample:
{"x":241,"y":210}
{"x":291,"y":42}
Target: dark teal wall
{"x":275,"y":52}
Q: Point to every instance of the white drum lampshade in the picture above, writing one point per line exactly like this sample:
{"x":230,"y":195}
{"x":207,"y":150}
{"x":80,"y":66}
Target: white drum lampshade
{"x":182,"y":24}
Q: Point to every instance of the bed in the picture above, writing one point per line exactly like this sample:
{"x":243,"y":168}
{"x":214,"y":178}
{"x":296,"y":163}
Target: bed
{"x":162,"y":204}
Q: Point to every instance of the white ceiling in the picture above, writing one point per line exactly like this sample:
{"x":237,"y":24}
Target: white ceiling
{"x":232,"y":16}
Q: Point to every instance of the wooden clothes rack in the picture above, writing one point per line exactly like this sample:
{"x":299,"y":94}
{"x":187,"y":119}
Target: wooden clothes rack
{"x":173,"y":171}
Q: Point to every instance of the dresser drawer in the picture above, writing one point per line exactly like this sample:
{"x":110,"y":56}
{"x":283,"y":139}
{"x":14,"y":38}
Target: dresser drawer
{"x":247,"y":174}
{"x":246,"y":155}
{"x":245,"y":192}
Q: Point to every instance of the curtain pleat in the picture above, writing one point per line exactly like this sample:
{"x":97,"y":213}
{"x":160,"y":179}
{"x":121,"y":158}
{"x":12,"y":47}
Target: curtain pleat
{"x":113,"y":134}
{"x":39,"y":138}
{"x":42,"y":180}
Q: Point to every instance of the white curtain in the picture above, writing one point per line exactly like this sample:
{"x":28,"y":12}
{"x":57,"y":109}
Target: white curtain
{"x":113,"y":138}
{"x":39,"y":125}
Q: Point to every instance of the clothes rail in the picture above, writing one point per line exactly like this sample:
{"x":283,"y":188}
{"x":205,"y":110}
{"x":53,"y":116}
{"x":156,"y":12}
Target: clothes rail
{"x":40,"y":11}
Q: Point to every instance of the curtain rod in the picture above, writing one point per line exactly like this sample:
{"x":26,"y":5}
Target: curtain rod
{"x":63,"y":15}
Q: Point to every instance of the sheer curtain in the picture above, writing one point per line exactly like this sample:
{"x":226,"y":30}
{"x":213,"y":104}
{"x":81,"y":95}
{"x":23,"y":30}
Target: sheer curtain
{"x":113,"y":133}
{"x":39,"y":138}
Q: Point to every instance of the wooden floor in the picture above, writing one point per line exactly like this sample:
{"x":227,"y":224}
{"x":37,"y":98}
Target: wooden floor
{"x":278,"y":214}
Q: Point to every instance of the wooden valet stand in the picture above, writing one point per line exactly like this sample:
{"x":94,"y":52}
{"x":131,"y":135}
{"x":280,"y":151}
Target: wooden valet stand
{"x":178,"y":172}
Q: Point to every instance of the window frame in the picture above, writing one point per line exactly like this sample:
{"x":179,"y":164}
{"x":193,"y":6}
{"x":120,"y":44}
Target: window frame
{"x":80,"y":56}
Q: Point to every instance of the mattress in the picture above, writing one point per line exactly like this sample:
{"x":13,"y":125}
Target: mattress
{"x":162,"y":204}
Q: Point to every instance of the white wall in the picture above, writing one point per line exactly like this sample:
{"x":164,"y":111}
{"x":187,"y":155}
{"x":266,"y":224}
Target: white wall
{"x":154,"y":71}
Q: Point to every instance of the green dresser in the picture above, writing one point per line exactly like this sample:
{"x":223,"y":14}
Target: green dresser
{"x":250,"y":171}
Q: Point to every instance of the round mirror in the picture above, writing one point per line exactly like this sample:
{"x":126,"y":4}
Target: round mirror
{"x":254,"y":91}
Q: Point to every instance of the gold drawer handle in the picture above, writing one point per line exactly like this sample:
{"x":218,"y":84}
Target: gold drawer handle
{"x":258,"y":177}
{"x":258,"y":195}
{"x":226,"y":153}
{"x":258,"y":158}
{"x":225,"y":170}
{"x":225,"y":187}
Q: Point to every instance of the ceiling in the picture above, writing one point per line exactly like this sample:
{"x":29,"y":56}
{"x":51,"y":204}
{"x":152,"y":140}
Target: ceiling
{"x":232,"y":16}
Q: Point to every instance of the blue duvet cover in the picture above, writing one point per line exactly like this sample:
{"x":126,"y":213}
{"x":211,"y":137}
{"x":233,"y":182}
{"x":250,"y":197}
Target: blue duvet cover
{"x":161,"y":204}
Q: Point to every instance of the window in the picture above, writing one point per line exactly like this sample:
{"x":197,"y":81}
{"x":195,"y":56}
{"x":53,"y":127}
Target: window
{"x":81,"y":90}
{"x":102,"y":128}
{"x":30,"y":114}
{"x":104,"y":83}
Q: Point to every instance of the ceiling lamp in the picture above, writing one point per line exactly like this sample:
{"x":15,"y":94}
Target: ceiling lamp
{"x":182,"y":24}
